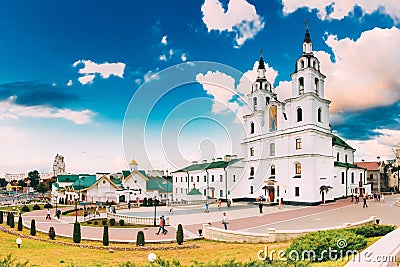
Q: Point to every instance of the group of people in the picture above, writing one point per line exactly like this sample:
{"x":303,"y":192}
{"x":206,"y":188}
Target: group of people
{"x":162,"y":226}
{"x":376,"y":196}
{"x":57,"y":214}
{"x":219,"y":205}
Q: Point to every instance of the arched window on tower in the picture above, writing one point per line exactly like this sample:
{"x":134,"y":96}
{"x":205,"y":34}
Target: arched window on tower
{"x":316,"y":85}
{"x":299,"y":114}
{"x":301,"y":85}
{"x":297,"y":167}
{"x":251,"y":127}
{"x":255,"y":103}
{"x":302,"y":64}
{"x":319,"y":115}
{"x":267,"y":99}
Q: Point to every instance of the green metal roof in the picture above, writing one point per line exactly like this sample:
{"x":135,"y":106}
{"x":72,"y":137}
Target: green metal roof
{"x":194,"y":191}
{"x":346,"y":165}
{"x":125,"y":173}
{"x":160,"y":184}
{"x":84,"y":182}
{"x":56,"y":185}
{"x":65,"y":178}
{"x":210,"y":165}
{"x":337,"y":141}
{"x":117,"y":182}
{"x":143,"y":173}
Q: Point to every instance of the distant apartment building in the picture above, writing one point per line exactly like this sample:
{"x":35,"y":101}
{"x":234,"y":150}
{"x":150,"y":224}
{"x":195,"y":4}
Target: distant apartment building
{"x":11,"y":177}
{"x":46,"y":176}
{"x":58,"y":165}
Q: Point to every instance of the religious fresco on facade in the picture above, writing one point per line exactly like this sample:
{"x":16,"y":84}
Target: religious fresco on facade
{"x":273,"y":118}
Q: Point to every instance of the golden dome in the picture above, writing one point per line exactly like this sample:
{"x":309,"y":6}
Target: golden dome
{"x":133,"y":162}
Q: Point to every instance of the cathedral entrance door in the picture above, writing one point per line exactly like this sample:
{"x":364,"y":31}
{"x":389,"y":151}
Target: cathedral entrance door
{"x":323,"y":197}
{"x":271,"y":193}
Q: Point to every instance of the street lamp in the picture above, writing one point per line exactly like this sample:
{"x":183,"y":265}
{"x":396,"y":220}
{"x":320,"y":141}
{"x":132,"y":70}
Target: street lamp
{"x":55,"y":199}
{"x":129,"y":198}
{"x":19,"y":242}
{"x":76,"y":208}
{"x":155,"y":208}
{"x":380,"y":174}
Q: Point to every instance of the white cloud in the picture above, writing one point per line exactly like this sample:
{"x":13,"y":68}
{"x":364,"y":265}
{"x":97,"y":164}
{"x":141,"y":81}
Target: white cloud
{"x":69,"y":83}
{"x":343,"y":8}
{"x":367,"y":67}
{"x":88,"y":79}
{"x":105,"y":70}
{"x":10,"y":110}
{"x":240,"y":18}
{"x":379,"y":146}
{"x":171,"y":52}
{"x":163,"y":58}
{"x":138,"y":81}
{"x":183,"y":57}
{"x":150,"y":75}
{"x":164,"y":40}
{"x":222,"y":87}
{"x":10,"y":135}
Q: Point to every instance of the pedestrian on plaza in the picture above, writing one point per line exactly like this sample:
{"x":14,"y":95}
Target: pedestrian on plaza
{"x":48,"y":217}
{"x":219,"y":204}
{"x":171,"y":210}
{"x":281,"y":203}
{"x":96,"y":211}
{"x":206,"y":208}
{"x":260,"y":207}
{"x":162,"y":226}
{"x":379,"y":197}
{"x":383,"y":198}
{"x":225,"y":221}
{"x":352,"y":197}
{"x":58,"y":213}
{"x":365,"y":202}
{"x":229,"y":203}
{"x":129,"y":205}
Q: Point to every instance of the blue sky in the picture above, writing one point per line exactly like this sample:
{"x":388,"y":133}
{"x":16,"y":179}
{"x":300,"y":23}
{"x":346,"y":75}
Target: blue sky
{"x":71,"y":71}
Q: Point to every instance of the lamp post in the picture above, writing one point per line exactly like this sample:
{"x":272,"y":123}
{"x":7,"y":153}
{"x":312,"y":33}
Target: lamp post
{"x":129,"y":198}
{"x":55,"y":200}
{"x":155,"y":209}
{"x":380,"y":174}
{"x":76,"y":208}
{"x":19,"y":242}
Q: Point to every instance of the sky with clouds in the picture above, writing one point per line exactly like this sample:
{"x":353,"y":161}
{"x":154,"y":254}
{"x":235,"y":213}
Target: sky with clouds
{"x":165,"y":82}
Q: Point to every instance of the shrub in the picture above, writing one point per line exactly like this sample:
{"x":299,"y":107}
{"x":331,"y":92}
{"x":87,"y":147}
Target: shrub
{"x":48,"y":206}
{"x":33,"y":228}
{"x":336,"y":241}
{"x":20,"y":223}
{"x":36,"y":207}
{"x":89,"y":222}
{"x":179,"y":234}
{"x":12,"y":222}
{"x":145,"y":202}
{"x":104,"y":222}
{"x":52,"y":233}
{"x":96,"y":223}
{"x":1,"y":217}
{"x":149,"y":202}
{"x":105,"y":236}
{"x":121,"y":222}
{"x":373,"y":230}
{"x":8,"y":218}
{"x":25,"y":208}
{"x":112,"y":221}
{"x":77,"y":233}
{"x":140,"y":239}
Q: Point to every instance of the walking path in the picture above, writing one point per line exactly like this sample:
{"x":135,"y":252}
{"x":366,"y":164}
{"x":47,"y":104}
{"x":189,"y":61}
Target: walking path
{"x":241,"y":216}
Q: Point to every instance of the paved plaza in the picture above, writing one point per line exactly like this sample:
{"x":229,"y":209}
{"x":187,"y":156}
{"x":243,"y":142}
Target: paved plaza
{"x":241,"y":216}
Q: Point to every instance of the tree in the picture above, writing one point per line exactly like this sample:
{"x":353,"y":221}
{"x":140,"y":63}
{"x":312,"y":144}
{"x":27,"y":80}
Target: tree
{"x":20,"y":223}
{"x":77,"y":233}
{"x":42,"y":188}
{"x":12,"y":223}
{"x":21,"y":183}
{"x":140,"y":239}
{"x":179,"y":234}
{"x":34,"y":178}
{"x":33,"y":228}
{"x":105,"y":236}
{"x":52,"y":233}
{"x":3,"y":182}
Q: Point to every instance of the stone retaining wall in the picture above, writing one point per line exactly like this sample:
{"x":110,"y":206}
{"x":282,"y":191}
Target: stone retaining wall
{"x":271,"y":235}
{"x":136,"y":220}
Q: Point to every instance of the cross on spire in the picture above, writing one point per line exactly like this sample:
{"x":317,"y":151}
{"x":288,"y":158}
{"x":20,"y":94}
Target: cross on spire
{"x":307,"y":21}
{"x":261,"y":51}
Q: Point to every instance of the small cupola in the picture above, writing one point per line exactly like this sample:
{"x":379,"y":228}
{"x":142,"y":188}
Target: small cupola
{"x":307,"y":44}
{"x":261,"y":83}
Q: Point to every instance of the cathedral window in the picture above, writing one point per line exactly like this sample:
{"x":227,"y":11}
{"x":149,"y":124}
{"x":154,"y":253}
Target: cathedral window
{"x":345,"y":158}
{"x":301,"y":85}
{"x":255,"y":103}
{"x":316,"y":85}
{"x":352,"y":177}
{"x":251,"y":151}
{"x":298,"y":143}
{"x":267,"y":100}
{"x":337,"y":157}
{"x":319,"y":115}
{"x":342,"y":177}
{"x":272,"y":170}
{"x":251,"y":189}
{"x":297,"y":191}
{"x":272,"y":149}
{"x":251,"y":171}
{"x":299,"y":114}
{"x":297,"y":167}
{"x":302,"y":64}
{"x":212,"y":178}
{"x":251,"y":127}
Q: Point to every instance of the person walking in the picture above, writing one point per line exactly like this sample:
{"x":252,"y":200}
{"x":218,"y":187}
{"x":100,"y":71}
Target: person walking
{"x":281,"y":203}
{"x":352,"y":197}
{"x":206,"y":208}
{"x":260,"y":207}
{"x":48,"y":217}
{"x":219,"y":204}
{"x":365,"y":202}
{"x":225,"y":221}
{"x":162,"y":225}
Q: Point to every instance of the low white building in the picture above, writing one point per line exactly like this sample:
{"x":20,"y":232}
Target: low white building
{"x":15,"y":176}
{"x":215,"y":179}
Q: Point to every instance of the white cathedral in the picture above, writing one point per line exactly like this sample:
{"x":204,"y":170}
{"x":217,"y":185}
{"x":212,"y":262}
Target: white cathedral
{"x":290,"y":151}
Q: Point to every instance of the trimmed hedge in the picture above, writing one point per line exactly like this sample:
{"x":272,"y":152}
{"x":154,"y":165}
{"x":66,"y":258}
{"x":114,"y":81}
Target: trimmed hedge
{"x":1,"y":217}
{"x":52,"y":233}
{"x":76,"y":237}
{"x":12,"y":222}
{"x":179,"y":235}
{"x":373,"y":230}
{"x":319,"y":243}
{"x":20,"y":223}
{"x":48,"y":206}
{"x":112,"y":221}
{"x":121,"y":222}
{"x":140,"y":239}
{"x":105,"y":236}
{"x":36,"y":207}
{"x":25,"y":208}
{"x":33,"y":228}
